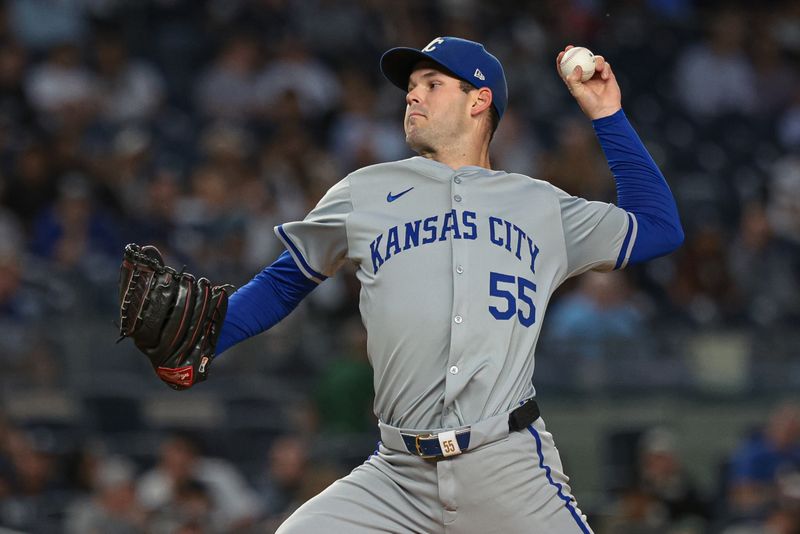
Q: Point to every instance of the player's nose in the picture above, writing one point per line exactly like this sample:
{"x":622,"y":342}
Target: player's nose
{"x":412,"y":97}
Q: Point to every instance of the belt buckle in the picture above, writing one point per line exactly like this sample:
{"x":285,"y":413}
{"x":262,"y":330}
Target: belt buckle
{"x":419,"y":450}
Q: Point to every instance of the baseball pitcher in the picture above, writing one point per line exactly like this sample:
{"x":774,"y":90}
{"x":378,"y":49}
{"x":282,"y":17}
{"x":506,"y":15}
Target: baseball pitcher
{"x":457,"y":262}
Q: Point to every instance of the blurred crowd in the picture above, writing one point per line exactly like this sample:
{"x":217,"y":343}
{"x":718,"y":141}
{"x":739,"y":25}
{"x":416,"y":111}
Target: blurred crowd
{"x":198,"y":125}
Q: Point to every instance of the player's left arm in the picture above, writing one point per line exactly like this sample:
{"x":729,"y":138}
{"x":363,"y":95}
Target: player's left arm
{"x":264,"y":301}
{"x":315,"y":249}
{"x":641,"y":188}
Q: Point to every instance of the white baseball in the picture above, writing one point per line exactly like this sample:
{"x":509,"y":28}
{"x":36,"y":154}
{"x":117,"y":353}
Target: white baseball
{"x":578,"y":56}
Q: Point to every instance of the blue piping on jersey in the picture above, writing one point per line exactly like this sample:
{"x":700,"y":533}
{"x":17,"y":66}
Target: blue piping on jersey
{"x":306,"y":267}
{"x":547,"y":470}
{"x":377,"y":450}
{"x":623,"y":253}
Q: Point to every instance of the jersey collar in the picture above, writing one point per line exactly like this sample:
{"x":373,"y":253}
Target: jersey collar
{"x":440,"y":171}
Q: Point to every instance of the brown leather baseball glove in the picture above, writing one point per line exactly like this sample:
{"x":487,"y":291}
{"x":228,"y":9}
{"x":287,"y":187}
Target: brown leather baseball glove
{"x":173,"y":318}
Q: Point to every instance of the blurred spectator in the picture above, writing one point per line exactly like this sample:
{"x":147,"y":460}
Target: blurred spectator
{"x":765,"y":269}
{"x":260,"y":245}
{"x":783,"y":206}
{"x":6,"y":474}
{"x":279,"y":485}
{"x":350,"y":372}
{"x":336,"y":28}
{"x":74,"y":233}
{"x":36,"y":499}
{"x":291,"y":479}
{"x":126,"y":170}
{"x":703,"y":285}
{"x":12,"y":301}
{"x":775,"y":79}
{"x":226,"y":90}
{"x":789,"y":122}
{"x":227,"y":147}
{"x":172,"y":486}
{"x":600,"y":314}
{"x":633,"y":512}
{"x":32,"y":185}
{"x":153,"y":220}
{"x":61,"y":89}
{"x":15,"y":109}
{"x":715,"y":76}
{"x":515,"y":148}
{"x":286,"y":164}
{"x":112,"y":506}
{"x":40,"y":24}
{"x":663,"y":499}
{"x":294,"y":70}
{"x":191,"y":512}
{"x":127,"y":90}
{"x":764,"y":463}
{"x":787,"y":26}
{"x":359,"y":135}
{"x":577,"y":164}
{"x":27,"y":357}
{"x":664,"y":477}
{"x":30,"y":360}
{"x":536,"y":93}
{"x":778,"y":521}
{"x":209,"y":225}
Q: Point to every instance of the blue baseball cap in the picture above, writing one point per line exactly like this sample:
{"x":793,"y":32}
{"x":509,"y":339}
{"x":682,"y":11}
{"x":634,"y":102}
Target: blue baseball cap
{"x":465,"y":59}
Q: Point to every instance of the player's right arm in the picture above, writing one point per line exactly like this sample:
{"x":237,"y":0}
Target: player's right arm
{"x":315,"y":249}
{"x":602,"y":236}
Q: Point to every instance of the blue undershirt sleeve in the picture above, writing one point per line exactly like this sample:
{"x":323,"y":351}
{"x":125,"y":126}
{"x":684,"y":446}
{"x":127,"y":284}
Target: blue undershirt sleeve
{"x":641,"y":189}
{"x":261,"y":303}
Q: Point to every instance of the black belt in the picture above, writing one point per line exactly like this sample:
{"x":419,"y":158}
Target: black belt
{"x":430,"y":445}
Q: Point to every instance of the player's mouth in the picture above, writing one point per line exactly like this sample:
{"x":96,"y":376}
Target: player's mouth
{"x":415,"y":114}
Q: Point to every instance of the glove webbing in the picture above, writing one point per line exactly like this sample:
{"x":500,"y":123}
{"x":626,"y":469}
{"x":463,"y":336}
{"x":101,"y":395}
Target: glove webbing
{"x":149,"y":261}
{"x":126,"y":302}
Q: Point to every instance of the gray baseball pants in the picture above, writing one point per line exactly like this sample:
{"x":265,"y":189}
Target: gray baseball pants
{"x":512,"y":485}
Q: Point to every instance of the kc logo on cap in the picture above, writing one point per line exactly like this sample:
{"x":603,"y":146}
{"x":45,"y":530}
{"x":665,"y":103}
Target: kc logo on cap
{"x":430,"y":47}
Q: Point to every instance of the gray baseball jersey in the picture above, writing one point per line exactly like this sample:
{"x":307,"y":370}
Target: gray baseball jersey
{"x":456,"y":270}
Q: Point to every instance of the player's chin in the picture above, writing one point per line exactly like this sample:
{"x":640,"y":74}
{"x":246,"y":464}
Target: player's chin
{"x":419,"y":146}
{"x":411,"y":135}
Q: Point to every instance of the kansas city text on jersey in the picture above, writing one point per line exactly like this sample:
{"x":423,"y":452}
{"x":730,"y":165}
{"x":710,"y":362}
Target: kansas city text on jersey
{"x":452,"y":225}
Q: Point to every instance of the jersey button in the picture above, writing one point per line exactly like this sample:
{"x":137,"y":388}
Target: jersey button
{"x":457,"y":198}
{"x":457,"y":179}
{"x":458,"y":319}
{"x":459,"y":269}
{"x":454,"y":370}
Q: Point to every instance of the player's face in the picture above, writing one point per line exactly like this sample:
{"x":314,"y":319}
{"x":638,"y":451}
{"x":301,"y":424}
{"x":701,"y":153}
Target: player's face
{"x":437,"y":110}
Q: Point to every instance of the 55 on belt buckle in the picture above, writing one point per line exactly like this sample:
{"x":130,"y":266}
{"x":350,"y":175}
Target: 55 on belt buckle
{"x":448,"y":444}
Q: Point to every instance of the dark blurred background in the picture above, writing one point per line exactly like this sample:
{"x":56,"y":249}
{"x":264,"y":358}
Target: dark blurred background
{"x":197,"y":125}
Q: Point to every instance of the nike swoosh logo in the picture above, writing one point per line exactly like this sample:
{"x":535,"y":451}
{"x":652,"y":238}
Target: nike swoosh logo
{"x":391,"y":198}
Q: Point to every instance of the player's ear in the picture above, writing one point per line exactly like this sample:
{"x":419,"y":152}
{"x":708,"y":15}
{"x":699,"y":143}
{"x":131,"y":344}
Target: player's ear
{"x":482,"y":101}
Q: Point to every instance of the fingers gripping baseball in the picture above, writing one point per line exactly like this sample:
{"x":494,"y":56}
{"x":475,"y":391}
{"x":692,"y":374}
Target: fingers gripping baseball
{"x":598,"y":96}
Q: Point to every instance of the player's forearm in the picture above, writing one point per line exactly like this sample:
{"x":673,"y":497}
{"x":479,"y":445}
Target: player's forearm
{"x":641,"y":188}
{"x":264,"y":301}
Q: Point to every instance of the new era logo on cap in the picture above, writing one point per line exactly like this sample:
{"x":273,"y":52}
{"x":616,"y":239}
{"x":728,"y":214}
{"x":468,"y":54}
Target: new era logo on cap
{"x":464,"y":59}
